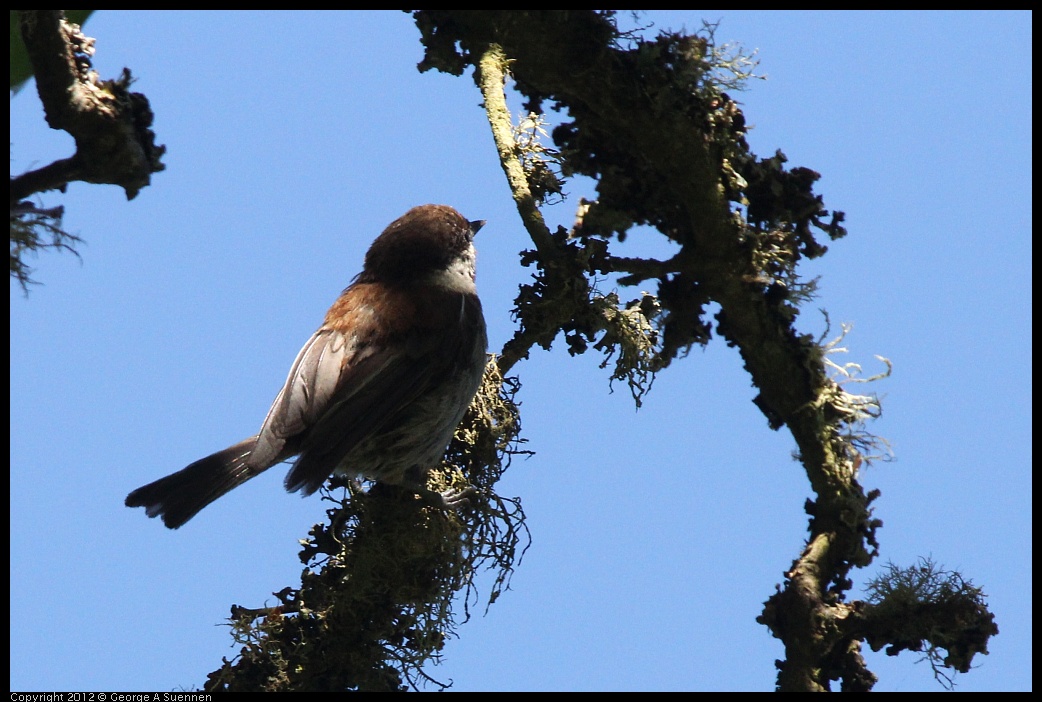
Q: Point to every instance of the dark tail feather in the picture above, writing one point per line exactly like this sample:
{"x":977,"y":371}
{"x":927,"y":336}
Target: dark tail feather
{"x":179,"y":497}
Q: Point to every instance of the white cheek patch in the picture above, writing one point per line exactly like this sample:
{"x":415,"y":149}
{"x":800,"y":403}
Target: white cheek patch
{"x":459,"y":276}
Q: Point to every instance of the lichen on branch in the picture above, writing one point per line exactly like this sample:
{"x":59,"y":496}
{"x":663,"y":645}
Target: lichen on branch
{"x":650,"y":120}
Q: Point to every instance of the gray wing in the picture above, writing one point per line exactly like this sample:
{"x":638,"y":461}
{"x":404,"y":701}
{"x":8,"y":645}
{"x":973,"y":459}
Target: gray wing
{"x":311,"y":382}
{"x":337,"y":394}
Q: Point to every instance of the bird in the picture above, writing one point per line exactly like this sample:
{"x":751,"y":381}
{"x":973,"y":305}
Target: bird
{"x":378,"y":389}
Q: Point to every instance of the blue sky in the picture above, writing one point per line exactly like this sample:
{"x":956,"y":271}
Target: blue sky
{"x":294,"y":138}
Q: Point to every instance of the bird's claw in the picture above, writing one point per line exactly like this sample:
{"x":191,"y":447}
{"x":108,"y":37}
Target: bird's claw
{"x":454,"y":498}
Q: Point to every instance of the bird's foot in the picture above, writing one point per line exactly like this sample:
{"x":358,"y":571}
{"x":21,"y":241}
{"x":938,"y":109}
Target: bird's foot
{"x":452,"y":499}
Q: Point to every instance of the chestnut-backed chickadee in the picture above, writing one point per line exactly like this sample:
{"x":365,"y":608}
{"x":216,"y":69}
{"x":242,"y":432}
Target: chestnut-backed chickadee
{"x":378,"y":390}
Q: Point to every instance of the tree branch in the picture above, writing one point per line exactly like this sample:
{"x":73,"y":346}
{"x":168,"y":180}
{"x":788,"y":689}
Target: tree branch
{"x":491,"y":76}
{"x":667,"y":148}
{"x":111,"y":125}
